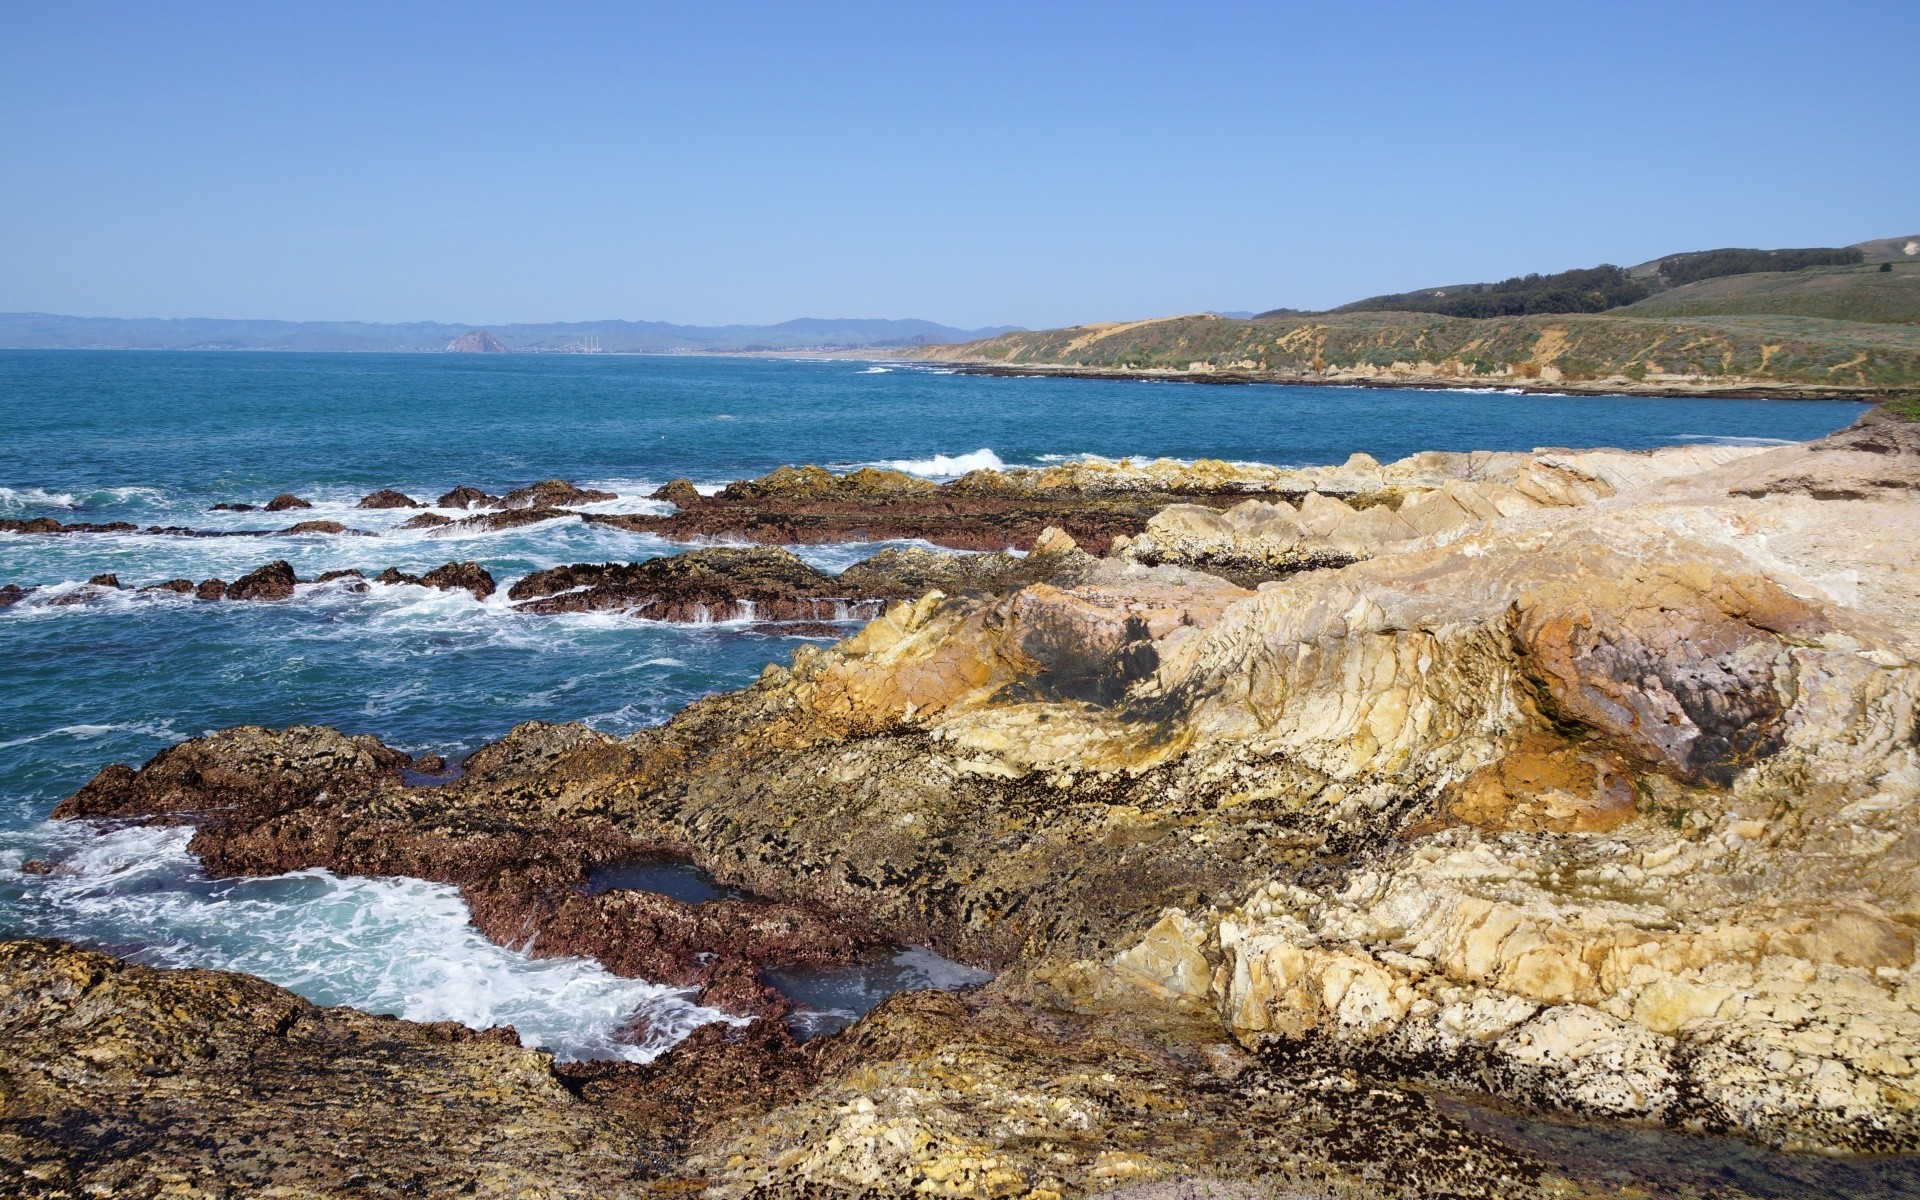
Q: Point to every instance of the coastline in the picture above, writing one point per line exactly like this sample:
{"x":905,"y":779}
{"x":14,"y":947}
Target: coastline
{"x":1601,"y":387}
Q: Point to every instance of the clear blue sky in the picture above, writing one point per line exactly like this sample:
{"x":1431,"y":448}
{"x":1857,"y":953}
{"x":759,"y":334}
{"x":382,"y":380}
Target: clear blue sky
{"x":1034,"y":164}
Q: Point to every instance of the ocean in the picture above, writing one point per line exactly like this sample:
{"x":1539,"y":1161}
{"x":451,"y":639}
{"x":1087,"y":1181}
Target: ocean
{"x":157,"y":438}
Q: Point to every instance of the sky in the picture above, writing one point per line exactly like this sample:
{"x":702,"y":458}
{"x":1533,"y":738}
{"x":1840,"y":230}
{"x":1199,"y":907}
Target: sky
{"x":1027,"y":164}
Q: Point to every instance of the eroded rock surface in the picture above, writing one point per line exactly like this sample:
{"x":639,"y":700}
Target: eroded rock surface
{"x":1604,"y":805}
{"x":983,"y":510}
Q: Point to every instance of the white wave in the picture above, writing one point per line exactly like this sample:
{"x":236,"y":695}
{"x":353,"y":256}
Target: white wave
{"x":1715,"y":439}
{"x":158,"y":729}
{"x":875,"y":371}
{"x":33,"y":497}
{"x":949,"y":465}
{"x":391,"y":945}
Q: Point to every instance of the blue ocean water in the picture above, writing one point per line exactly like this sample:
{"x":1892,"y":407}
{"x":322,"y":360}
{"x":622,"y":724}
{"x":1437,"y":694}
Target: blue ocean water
{"x":156,"y":438}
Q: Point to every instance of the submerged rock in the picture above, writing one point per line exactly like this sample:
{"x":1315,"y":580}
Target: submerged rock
{"x":285,"y":501}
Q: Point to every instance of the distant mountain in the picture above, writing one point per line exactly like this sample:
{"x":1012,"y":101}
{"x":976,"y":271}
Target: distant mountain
{"x":477,"y":342}
{"x":40,"y":331}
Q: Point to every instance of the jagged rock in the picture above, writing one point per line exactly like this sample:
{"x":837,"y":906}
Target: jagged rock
{"x":466,"y":497}
{"x":108,"y":580}
{"x":454,"y":576}
{"x":272,"y":582}
{"x":388,"y":498}
{"x":495,"y":521}
{"x":119,"y":1076}
{"x":12,"y":594}
{"x":323,"y":527}
{"x":211,"y":589}
{"x":680,"y":493}
{"x":49,"y":525}
{"x":720,"y":584}
{"x":553,"y":493}
{"x":285,"y":501}
{"x":182,"y":587}
{"x":427,"y":520}
{"x":1603,"y":801}
{"x":269,"y":801}
{"x":981,"y":511}
{"x":466,"y":576}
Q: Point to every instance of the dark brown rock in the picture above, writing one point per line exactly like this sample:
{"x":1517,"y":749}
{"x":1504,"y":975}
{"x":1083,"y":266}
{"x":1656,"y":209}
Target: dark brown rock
{"x":285,"y":501}
{"x":427,"y":520}
{"x":12,"y":594}
{"x":272,"y":582}
{"x":509,"y":518}
{"x":388,"y":498}
{"x":469,"y":575}
{"x":719,"y":584}
{"x":231,"y":506}
{"x":119,"y":1077}
{"x":466,"y":497}
{"x":211,"y":589}
{"x":49,"y":525}
{"x":180,"y":586}
{"x":553,"y":493}
{"x":108,"y":580}
{"x":984,"y":510}
{"x":265,"y":802}
{"x":680,"y":493}
{"x":323,"y":527}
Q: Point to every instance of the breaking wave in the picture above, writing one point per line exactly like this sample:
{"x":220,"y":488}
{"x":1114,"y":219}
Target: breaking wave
{"x":398,"y":946}
{"x":949,"y":466}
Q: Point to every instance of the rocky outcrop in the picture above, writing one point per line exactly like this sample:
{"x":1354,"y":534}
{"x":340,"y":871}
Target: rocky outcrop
{"x":466,"y":496}
{"x":285,"y":501}
{"x":388,"y":498}
{"x":274,"y":581}
{"x":454,"y":576}
{"x":777,"y":587}
{"x":265,"y":802}
{"x":1604,"y":805}
{"x":49,"y":525}
{"x":984,"y":510}
{"x":123,"y":1080}
{"x":548,"y":493}
{"x":554,"y":493}
{"x":1422,"y":496}
{"x":12,"y":594}
{"x":117,"y":1073}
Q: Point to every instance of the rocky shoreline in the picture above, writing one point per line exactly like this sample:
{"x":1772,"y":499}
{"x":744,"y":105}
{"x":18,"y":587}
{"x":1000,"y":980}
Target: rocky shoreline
{"x":1745,"y":389}
{"x":1585,"y":781}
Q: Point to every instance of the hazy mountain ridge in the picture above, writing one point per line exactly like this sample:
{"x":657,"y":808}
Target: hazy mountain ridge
{"x":45,"y":331}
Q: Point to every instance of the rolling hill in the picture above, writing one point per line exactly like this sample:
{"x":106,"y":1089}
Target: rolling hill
{"x":1751,"y":355}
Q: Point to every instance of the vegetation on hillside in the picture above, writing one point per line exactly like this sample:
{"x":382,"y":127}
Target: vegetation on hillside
{"x":1589,"y":290}
{"x":1784,"y":353}
{"x":1681,"y":269}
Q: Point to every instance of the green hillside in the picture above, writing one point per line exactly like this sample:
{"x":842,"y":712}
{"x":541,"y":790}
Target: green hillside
{"x":1770,"y":354}
{"x":1859,"y":293}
